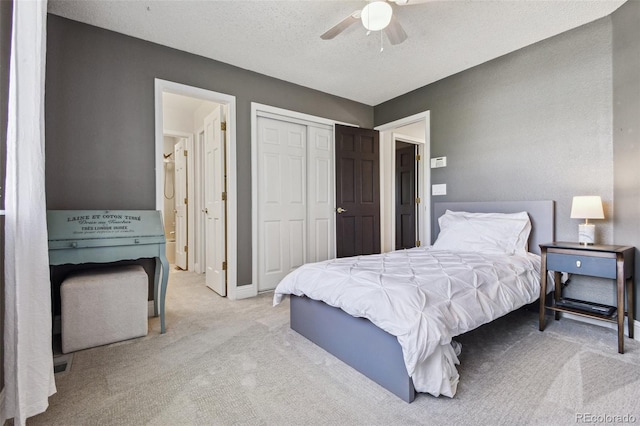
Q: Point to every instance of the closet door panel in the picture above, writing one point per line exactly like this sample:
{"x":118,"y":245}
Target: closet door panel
{"x":321,"y":231}
{"x":273,"y":254}
{"x":281,"y":200}
{"x":322,"y":247}
{"x":297,"y":239}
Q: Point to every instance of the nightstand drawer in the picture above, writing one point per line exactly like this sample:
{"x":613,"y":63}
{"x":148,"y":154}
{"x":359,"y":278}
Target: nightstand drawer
{"x":603,"y":267}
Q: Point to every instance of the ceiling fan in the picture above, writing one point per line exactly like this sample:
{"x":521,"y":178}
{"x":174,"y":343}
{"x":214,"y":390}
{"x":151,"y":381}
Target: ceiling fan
{"x":376,"y":15}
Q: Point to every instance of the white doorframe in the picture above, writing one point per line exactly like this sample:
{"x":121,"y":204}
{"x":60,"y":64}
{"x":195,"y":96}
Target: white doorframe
{"x":387,"y":180}
{"x":294,"y":116}
{"x":161,"y":86}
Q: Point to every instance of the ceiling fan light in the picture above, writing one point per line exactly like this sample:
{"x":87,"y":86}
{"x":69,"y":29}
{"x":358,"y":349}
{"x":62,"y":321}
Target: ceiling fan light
{"x":376,"y":15}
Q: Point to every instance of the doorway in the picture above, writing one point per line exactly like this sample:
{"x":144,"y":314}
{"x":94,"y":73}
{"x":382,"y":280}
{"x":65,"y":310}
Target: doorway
{"x":175,"y":192}
{"x":183,"y":181}
{"x":357,"y":191}
{"x":195,"y":170}
{"x":407,"y":185}
{"x":413,"y":129}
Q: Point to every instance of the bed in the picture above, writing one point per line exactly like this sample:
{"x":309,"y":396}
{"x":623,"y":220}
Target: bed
{"x":421,"y":358}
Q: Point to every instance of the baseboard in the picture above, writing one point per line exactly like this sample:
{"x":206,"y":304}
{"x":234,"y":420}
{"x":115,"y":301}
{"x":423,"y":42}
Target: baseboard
{"x":245,"y":292}
{"x":606,"y":324}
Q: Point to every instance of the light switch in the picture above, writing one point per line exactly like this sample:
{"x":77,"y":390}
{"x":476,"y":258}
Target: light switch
{"x":440,"y":189}
{"x":438,"y":162}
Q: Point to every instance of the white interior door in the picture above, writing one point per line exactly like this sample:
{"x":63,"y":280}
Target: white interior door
{"x":198,"y":206}
{"x":214,"y":187}
{"x":181,"y":206}
{"x":282,"y":206}
{"x":320,"y":189}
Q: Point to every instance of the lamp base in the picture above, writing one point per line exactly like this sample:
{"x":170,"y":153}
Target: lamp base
{"x":586,"y":233}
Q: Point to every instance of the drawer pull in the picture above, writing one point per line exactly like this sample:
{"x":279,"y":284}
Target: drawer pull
{"x":578,"y":264}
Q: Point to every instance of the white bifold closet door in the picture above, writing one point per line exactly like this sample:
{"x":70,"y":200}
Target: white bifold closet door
{"x":295,"y":197}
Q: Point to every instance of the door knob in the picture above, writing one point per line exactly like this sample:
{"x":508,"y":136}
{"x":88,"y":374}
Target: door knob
{"x":341,"y":210}
{"x":206,"y":211}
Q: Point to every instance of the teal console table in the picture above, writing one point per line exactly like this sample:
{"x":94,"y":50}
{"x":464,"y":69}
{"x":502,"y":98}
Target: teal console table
{"x":103,"y":236}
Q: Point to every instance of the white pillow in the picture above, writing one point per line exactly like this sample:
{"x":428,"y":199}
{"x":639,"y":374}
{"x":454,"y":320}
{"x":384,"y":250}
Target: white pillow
{"x":484,"y":232}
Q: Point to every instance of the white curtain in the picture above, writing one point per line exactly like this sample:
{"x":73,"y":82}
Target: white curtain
{"x":28,"y":364}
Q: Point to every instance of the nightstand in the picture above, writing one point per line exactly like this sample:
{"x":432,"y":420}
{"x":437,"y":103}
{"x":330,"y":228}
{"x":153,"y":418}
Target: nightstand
{"x":603,"y":261}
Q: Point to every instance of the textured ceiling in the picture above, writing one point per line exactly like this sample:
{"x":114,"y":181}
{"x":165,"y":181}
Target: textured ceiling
{"x":282,"y":38}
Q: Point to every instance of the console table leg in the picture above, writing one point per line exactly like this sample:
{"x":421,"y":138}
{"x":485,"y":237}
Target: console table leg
{"x":163,"y":289}
{"x":156,"y":280}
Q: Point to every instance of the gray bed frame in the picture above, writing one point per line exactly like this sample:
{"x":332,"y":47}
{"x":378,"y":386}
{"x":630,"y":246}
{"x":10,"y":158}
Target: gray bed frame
{"x":371,"y":350}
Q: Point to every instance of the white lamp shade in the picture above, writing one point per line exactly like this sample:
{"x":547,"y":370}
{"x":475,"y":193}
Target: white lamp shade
{"x":587,"y":207}
{"x":376,"y":15}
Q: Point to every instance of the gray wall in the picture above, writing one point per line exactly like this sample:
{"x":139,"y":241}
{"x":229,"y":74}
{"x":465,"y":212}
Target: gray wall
{"x":539,"y":124}
{"x":550,"y":121}
{"x":626,"y":129}
{"x":6,"y":11}
{"x":100,"y":118}
{"x":534,"y":124}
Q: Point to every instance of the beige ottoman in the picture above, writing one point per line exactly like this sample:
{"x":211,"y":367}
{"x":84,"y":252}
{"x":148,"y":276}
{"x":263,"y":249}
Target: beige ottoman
{"x":101,"y":306}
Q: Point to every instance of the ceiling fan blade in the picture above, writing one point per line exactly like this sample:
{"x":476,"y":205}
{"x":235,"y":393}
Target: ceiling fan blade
{"x":395,"y":32}
{"x":341,"y":26}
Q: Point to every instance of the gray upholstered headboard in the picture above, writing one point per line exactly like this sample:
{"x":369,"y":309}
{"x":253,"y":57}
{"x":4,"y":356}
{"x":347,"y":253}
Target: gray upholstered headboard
{"x":541,"y":214}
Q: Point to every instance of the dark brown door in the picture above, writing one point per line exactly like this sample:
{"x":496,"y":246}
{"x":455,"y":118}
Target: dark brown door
{"x":405,"y":195}
{"x":357,"y":191}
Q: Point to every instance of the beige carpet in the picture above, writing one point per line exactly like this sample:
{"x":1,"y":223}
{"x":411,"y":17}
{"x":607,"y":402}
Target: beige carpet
{"x":225,"y":362}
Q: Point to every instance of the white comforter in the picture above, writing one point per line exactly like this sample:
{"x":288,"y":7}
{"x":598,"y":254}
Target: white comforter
{"x":424,"y":298}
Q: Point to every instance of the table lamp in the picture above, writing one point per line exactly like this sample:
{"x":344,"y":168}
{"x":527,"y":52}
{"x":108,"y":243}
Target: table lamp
{"x":586,"y":207}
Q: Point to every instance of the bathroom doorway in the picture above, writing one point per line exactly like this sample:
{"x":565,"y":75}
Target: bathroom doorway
{"x":181,"y":181}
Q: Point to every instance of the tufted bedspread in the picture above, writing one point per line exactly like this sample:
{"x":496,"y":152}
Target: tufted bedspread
{"x":424,"y":298}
